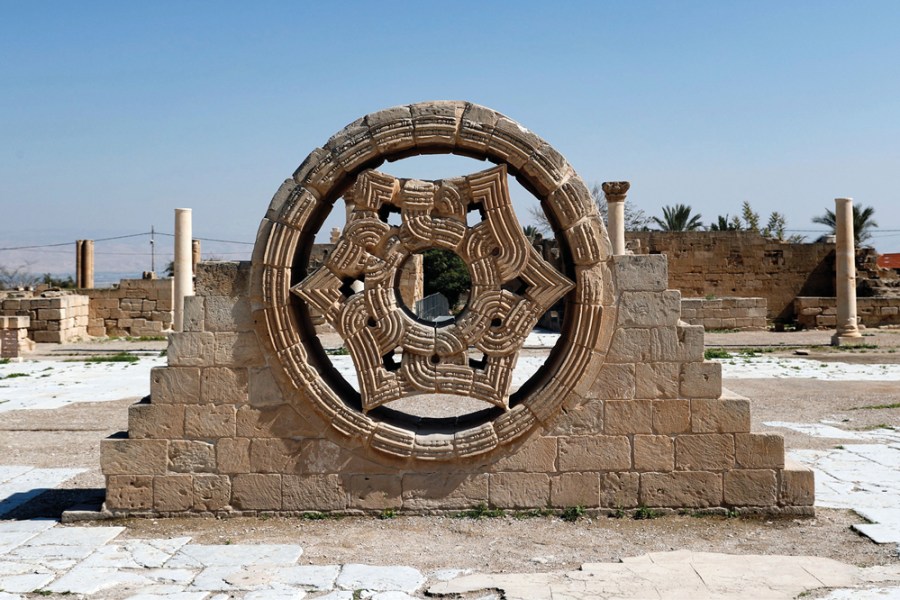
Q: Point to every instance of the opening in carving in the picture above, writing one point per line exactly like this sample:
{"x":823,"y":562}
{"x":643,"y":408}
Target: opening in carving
{"x":445,"y":286}
{"x":390,"y":362}
{"x":390,"y":214}
{"x":352,"y":285}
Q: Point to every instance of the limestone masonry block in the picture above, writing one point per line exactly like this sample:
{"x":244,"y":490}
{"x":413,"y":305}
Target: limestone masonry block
{"x":595,"y":453}
{"x":223,"y":278}
{"x":255,"y":491}
{"x":654,"y":453}
{"x":681,"y":489}
{"x":194,"y":312}
{"x":701,"y":380}
{"x":671,"y":416}
{"x":649,"y":309}
{"x":628,"y":416}
{"x":519,"y":490}
{"x":175,"y":385}
{"x":233,"y":455}
{"x":616,"y":381}
{"x":711,"y":452}
{"x":123,"y":456}
{"x":159,"y":421}
{"x":629,"y":346}
{"x":211,"y":492}
{"x":274,"y":421}
{"x":188,"y":456}
{"x":538,"y":455}
{"x":224,"y":385}
{"x":619,"y":490}
{"x":759,"y":450}
{"x":585,"y":418}
{"x":797,"y":485}
{"x":129,"y":492}
{"x":729,"y":415}
{"x":226,"y":313}
{"x":575,"y":489}
{"x":641,"y":273}
{"x":191,"y":349}
{"x":275,"y":455}
{"x":454,"y":491}
{"x":209,"y":421}
{"x":657,"y":380}
{"x":746,"y":487}
{"x":173,"y":492}
{"x":374,"y":492}
{"x":263,"y":389}
{"x":313,"y":492}
{"x":237,"y":350}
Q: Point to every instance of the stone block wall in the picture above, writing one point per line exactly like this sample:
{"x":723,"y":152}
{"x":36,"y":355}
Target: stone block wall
{"x":816,"y":312}
{"x":137,"y":307}
{"x":14,"y":336}
{"x":649,"y":428}
{"x":54,"y":317}
{"x":725,"y":313}
{"x":741,"y":263}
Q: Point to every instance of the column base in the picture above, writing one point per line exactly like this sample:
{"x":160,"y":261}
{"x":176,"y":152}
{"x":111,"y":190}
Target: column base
{"x":848,"y":340}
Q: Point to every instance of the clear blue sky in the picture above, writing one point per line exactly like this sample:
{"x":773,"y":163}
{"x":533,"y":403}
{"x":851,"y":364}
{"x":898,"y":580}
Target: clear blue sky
{"x":114,"y":113}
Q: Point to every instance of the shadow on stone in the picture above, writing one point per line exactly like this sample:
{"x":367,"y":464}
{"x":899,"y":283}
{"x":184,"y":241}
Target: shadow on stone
{"x":50,"y":504}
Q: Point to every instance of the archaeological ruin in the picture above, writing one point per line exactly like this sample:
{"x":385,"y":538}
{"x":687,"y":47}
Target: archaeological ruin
{"x":253,"y":416}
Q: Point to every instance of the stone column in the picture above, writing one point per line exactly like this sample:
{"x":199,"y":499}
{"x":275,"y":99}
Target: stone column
{"x":845,"y":267}
{"x":615,"y":192}
{"x":184,"y":282}
{"x":79,"y":268}
{"x":87,"y":264}
{"x":195,"y":254}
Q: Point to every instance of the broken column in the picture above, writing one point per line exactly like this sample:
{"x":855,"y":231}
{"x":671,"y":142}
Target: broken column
{"x":615,"y":192}
{"x":195,"y":254}
{"x":184,"y":273}
{"x":845,"y":268}
{"x":84,"y":263}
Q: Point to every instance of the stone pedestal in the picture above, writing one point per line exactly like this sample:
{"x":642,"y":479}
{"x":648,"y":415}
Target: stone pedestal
{"x":615,"y":192}
{"x":847,"y":331}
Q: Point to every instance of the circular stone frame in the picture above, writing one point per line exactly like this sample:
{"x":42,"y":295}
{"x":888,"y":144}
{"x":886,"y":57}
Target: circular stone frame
{"x":299,"y":207}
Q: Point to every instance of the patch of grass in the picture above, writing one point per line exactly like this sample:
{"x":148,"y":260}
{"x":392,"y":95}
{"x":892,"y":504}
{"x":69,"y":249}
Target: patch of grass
{"x":716,"y":353}
{"x":839,"y":447}
{"x":877,"y":406}
{"x":482,"y":511}
{"x":533,"y":513}
{"x":114,"y":358}
{"x":337,"y":351}
{"x":732,"y":514}
{"x":163,"y":353}
{"x":147,"y":338}
{"x":618,"y":513}
{"x":313,"y":516}
{"x":4,"y":361}
{"x":643,"y":513}
{"x":14,"y":375}
{"x":878,"y":426}
{"x":388,"y":513}
{"x":357,"y":594}
{"x":572,"y":513}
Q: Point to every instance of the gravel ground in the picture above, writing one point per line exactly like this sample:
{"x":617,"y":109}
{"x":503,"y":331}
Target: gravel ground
{"x":70,"y":437}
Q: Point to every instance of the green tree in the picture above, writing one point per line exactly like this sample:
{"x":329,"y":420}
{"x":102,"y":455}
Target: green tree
{"x":678,"y":218}
{"x":751,"y":218}
{"x":863,"y":223}
{"x":445,"y":272}
{"x":532,"y":233}
{"x":726,"y":224}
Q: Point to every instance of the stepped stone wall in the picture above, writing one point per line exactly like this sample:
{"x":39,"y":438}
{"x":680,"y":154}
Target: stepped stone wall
{"x":251,"y":416}
{"x":821,"y":312}
{"x":136,"y":307}
{"x":725,"y":313}
{"x":54,"y":317}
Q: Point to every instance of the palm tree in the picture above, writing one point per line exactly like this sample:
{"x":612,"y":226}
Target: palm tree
{"x":678,"y":218}
{"x":726,"y":224}
{"x":863,"y":223}
{"x":532,"y":233}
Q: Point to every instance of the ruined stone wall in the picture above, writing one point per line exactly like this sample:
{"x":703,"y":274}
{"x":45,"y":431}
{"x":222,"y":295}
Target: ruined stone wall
{"x":55,"y":317}
{"x":818,"y":312}
{"x":137,"y":307}
{"x":649,"y":428}
{"x":725,"y":313}
{"x":743,"y":264}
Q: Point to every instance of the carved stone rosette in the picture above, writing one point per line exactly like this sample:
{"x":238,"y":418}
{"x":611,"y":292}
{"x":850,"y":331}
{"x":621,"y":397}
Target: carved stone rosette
{"x":374,"y":323}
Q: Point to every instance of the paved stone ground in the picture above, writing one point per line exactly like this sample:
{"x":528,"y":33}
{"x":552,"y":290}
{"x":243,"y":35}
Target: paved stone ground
{"x":38,"y":558}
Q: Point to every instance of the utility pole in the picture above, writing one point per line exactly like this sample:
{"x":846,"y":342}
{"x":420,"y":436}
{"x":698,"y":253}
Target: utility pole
{"x":152,"y":251}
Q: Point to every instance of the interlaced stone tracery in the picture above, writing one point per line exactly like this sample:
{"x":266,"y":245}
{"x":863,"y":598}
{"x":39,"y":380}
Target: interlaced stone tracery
{"x":435,"y":358}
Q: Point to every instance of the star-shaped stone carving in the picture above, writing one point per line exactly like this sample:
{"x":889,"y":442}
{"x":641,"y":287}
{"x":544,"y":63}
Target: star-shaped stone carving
{"x":373,"y":323}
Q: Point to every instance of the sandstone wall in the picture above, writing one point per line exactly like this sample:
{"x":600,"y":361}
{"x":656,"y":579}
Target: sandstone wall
{"x":725,"y":313}
{"x":649,"y":428}
{"x":744,"y":264}
{"x":55,"y":317}
{"x":137,"y":307}
{"x":822,"y":311}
